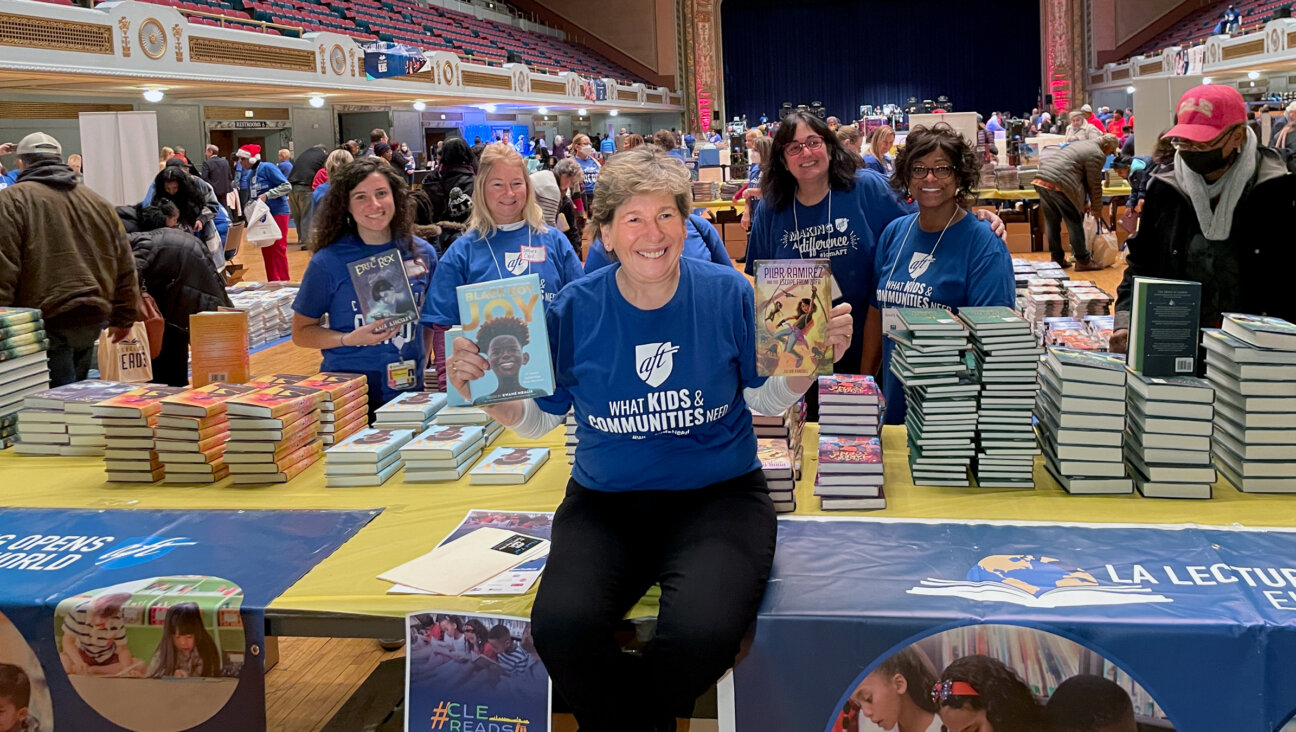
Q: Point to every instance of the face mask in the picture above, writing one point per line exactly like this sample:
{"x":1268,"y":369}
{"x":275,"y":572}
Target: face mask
{"x":1205,"y":162}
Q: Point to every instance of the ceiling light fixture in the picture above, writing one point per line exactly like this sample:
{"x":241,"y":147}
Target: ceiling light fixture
{"x":1129,"y":90}
{"x":583,"y":112}
{"x":614,"y":113}
{"x":543,"y":110}
{"x":420,"y":106}
{"x":1253,"y":75}
{"x":317,"y":101}
{"x":490,"y":108}
{"x":153,"y":95}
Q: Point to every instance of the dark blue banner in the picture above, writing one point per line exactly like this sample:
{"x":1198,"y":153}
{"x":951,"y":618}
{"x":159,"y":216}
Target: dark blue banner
{"x":1196,"y":626}
{"x":383,"y":59}
{"x":113,"y":620}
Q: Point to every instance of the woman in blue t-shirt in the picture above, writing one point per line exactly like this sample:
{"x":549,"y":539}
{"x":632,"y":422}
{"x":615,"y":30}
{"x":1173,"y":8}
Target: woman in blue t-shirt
{"x":366,"y":211}
{"x":656,"y":356}
{"x":701,"y":241}
{"x":940,"y":257}
{"x":507,"y":237}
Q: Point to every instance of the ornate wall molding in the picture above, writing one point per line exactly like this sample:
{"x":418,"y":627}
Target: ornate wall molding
{"x":125,"y":24}
{"x":178,"y":31}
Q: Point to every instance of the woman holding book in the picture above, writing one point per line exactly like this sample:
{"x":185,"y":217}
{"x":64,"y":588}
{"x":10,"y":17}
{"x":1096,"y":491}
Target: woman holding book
{"x":507,"y":237}
{"x":366,"y":212}
{"x":940,"y":257}
{"x":666,"y":487}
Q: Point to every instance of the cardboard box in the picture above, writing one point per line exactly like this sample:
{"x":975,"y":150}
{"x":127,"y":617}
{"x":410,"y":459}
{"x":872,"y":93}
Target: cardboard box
{"x":711,"y":175}
{"x":1019,"y":238}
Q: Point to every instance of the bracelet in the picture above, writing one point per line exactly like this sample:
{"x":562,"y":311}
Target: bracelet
{"x":341,"y":339}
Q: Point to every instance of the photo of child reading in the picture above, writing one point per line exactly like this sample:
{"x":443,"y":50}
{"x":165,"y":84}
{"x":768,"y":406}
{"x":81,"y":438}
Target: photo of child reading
{"x":452,"y":653}
{"x":187,"y":649}
{"x":15,"y":701}
{"x":94,"y":639}
{"x":504,"y":341}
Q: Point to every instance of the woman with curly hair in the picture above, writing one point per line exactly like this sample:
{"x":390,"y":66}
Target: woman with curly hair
{"x":897,"y":694}
{"x":940,"y":257}
{"x":366,"y":211}
{"x":979,"y":694}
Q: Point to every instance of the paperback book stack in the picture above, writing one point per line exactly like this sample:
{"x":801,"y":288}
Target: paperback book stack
{"x":269,"y":310}
{"x":192,"y":432}
{"x":786,"y":427}
{"x":1005,"y":359}
{"x":1085,"y":298}
{"x":509,"y":466}
{"x":344,"y":410}
{"x":1251,"y":362}
{"x":128,"y":421}
{"x":850,"y":473}
{"x":369,"y":457}
{"x":706,"y":190}
{"x":850,"y":405}
{"x":442,"y":453}
{"x":781,"y":472}
{"x":413,"y":410}
{"x":452,"y":416}
{"x":569,"y":435}
{"x":58,"y":421}
{"x":1168,"y":436}
{"x":1043,"y":301}
{"x":274,"y":433}
{"x":940,"y":398}
{"x":1081,"y":411}
{"x":24,"y":367}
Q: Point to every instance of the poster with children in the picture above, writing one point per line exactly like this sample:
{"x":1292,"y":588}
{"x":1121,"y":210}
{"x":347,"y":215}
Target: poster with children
{"x":474,"y":672}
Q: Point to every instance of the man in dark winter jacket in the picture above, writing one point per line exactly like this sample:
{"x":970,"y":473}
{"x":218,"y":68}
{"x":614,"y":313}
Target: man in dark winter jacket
{"x":63,"y":250}
{"x":1063,"y":182}
{"x":1217,"y":218}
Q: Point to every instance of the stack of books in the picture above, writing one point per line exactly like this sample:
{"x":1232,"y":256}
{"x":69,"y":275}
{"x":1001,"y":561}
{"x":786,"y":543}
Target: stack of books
{"x":781,"y":471}
{"x":1251,"y":363}
{"x":940,"y":399}
{"x":1005,"y":359}
{"x":1168,"y":436}
{"x":509,"y":466}
{"x":1085,"y":298}
{"x":344,"y":410}
{"x":442,"y":453}
{"x":128,"y":421}
{"x":273,"y":433}
{"x":192,"y":432}
{"x":451,"y":416}
{"x":269,"y":310}
{"x":413,"y":410}
{"x":569,"y":434}
{"x":850,"y":405}
{"x":1081,"y":411}
{"x":850,"y":473}
{"x":786,"y":427}
{"x":704,"y":190}
{"x":369,"y":457}
{"x":24,"y":367}
{"x":58,"y":421}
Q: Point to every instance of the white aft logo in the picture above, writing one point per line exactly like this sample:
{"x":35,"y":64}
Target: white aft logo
{"x":654,"y":362}
{"x":514,"y":263}
{"x":919,"y":263}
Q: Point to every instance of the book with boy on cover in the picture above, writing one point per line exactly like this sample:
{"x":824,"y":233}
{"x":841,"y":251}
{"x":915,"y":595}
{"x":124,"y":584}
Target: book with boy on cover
{"x":793,"y":300}
{"x":505,"y":318}
{"x":509,"y":466}
{"x":382,"y":289}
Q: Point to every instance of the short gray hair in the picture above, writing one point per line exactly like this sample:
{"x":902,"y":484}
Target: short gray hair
{"x":567,"y":166}
{"x":645,"y":169}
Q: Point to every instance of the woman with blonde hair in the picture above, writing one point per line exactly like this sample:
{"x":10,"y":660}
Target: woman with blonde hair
{"x":507,"y":237}
{"x":877,"y":155}
{"x":166,"y":154}
{"x":332,"y":164}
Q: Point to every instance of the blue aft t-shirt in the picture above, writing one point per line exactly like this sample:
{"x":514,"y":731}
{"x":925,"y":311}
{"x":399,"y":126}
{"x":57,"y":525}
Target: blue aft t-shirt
{"x":472,"y":259}
{"x":326,"y":289}
{"x":847,"y":238}
{"x":657,"y":393}
{"x":318,"y":193}
{"x":590,"y":167}
{"x":701,"y":241}
{"x":266,"y":177}
{"x":285,"y":167}
{"x":971,"y":268}
{"x":753,"y":175}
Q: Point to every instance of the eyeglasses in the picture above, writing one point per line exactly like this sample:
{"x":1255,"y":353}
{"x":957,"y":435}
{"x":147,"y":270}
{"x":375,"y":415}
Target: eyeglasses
{"x":1184,"y":145}
{"x":942,"y":172}
{"x":794,"y":148}
{"x":943,"y":690}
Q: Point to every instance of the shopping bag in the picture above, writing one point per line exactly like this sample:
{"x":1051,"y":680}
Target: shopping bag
{"x":154,"y":323}
{"x":1103,"y":247}
{"x":1129,"y":221}
{"x":262,"y":231}
{"x":1090,"y":229}
{"x":127,"y":360}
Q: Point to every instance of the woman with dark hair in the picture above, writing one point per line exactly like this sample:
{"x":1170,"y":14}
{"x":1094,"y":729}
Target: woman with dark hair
{"x":446,"y":196}
{"x":196,"y":201}
{"x":897,"y":694}
{"x":980,"y":693}
{"x":940,"y":257}
{"x":366,"y":211}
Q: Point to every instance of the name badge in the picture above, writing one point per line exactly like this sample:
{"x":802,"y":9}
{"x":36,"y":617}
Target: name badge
{"x":400,"y":375}
{"x":414,"y":268}
{"x":891,"y":320}
{"x":533,"y":254}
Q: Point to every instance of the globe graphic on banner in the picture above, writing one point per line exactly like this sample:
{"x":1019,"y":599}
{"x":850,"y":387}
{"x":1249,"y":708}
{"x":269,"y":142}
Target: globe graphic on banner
{"x":1032,"y":574}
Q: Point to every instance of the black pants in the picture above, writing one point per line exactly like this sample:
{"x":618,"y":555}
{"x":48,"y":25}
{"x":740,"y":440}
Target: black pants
{"x":1058,"y":208}
{"x":171,"y":367}
{"x":710,"y":550}
{"x":70,"y":351}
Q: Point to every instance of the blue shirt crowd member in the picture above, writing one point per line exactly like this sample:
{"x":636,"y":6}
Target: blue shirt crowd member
{"x":967,"y":266}
{"x":701,"y":241}
{"x":657,"y":393}
{"x":843,"y":228}
{"x":607,"y":146}
{"x":267,"y":177}
{"x":590,"y":168}
{"x":514,"y":250}
{"x":318,"y":193}
{"x":326,"y":289}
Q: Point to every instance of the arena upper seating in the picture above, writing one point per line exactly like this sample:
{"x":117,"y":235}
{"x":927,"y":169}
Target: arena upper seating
{"x":1200,"y":24}
{"x":428,"y":27}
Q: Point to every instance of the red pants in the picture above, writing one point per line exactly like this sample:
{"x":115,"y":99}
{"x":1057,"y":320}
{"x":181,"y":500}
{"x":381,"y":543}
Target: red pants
{"x":276,"y":255}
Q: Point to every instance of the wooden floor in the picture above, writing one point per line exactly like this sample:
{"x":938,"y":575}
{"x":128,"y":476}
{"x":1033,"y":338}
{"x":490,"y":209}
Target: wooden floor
{"x":316,"y":676}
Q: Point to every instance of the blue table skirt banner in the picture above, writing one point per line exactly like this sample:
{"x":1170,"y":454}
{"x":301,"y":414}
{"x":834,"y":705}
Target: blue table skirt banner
{"x":1196,"y":625}
{"x":138,"y":619}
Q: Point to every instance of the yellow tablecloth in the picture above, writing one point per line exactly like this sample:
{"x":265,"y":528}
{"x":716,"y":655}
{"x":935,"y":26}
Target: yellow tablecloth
{"x":1031,"y":194}
{"x":720,"y":204}
{"x":418,"y":515}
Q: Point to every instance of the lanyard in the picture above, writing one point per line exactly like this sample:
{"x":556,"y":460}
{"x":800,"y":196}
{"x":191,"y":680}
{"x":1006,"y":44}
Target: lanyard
{"x":909,"y":231}
{"x":495,"y":259}
{"x":797,"y":225}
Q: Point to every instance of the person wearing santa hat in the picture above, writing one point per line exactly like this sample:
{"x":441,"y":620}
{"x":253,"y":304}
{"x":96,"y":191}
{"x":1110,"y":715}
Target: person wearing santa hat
{"x":266,"y":182}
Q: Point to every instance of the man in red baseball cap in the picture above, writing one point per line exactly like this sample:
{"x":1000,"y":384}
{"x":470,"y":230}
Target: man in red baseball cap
{"x":1223,"y":216}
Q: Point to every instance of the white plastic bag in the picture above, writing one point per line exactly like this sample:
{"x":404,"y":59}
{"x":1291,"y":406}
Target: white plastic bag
{"x":262,"y":231}
{"x":1100,"y":241}
{"x":127,"y":360}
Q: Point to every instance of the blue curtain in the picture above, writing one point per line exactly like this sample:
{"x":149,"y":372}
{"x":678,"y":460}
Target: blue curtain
{"x":983,"y":56}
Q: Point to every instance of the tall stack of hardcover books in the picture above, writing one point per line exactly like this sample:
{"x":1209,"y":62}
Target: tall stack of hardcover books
{"x":344,"y":410}
{"x":1081,"y":411}
{"x":413,"y":410}
{"x":24,"y":367}
{"x":940,"y":399}
{"x":274,"y":431}
{"x":782,"y":471}
{"x":1167,"y":437}
{"x":128,"y":421}
{"x":850,"y":445}
{"x":1251,"y":362}
{"x":442,"y":453}
{"x":367,"y":458}
{"x":850,"y":405}
{"x":786,"y":427}
{"x":1005,"y":360}
{"x":451,"y":416}
{"x":192,"y":431}
{"x":58,"y":421}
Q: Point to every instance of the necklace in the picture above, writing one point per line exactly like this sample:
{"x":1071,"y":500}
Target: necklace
{"x":498,"y":269}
